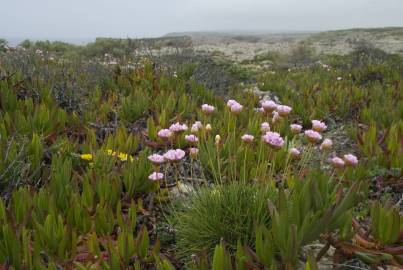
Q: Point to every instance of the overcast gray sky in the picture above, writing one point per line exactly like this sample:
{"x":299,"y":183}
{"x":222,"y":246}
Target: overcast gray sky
{"x":84,"y":19}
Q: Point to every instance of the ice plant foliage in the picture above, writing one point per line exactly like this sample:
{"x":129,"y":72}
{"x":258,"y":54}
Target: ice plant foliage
{"x":85,"y":215}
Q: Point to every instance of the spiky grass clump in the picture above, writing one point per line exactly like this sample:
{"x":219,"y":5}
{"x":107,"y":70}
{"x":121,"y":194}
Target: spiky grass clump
{"x":231,"y":212}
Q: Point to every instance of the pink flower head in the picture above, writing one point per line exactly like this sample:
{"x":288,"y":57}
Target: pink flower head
{"x":326,"y":144}
{"x":269,"y":106}
{"x":174,"y":155}
{"x":194,"y":129}
{"x":265,"y":127}
{"x":177,"y":127}
{"x":273,"y":139}
{"x":156,"y":159}
{"x":318,"y":126}
{"x":337,"y":162}
{"x":294,"y":153}
{"x":191,"y":138}
{"x":247,"y":138}
{"x":207,"y":109}
{"x":231,"y":102}
{"x":350,"y":160}
{"x":193,"y":152}
{"x":198,"y":124}
{"x":236,"y":108}
{"x":312,"y":136}
{"x":155,"y":176}
{"x":283,"y":110}
{"x":295,"y":128}
{"x":164,"y":133}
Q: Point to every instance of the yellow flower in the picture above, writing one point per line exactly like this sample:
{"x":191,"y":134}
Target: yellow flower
{"x":122,"y":156}
{"x":86,"y":156}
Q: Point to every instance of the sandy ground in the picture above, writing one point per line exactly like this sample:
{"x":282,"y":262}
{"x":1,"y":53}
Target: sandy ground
{"x":239,"y":47}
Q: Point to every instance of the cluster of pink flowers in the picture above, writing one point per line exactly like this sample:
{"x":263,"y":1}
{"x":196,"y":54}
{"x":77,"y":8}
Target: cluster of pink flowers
{"x":295,"y":128}
{"x":156,"y":159}
{"x":195,"y":127}
{"x":313,"y":136}
{"x":294,"y":152}
{"x":178,"y":128}
{"x":265,"y":127}
{"x":191,"y":139}
{"x":155,"y":176}
{"x":247,"y":138}
{"x":348,"y":160}
{"x":234,"y":106}
{"x":338,"y":162}
{"x":273,"y":139}
{"x":269,"y":106}
{"x":283,"y":110}
{"x":326,"y":144}
{"x":318,"y":126}
{"x":207,"y":109}
{"x":174,"y":155}
{"x":165,"y":134}
{"x":170,"y":156}
{"x":193,"y":152}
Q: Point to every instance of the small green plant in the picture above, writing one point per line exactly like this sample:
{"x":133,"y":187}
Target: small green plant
{"x":232,"y":212}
